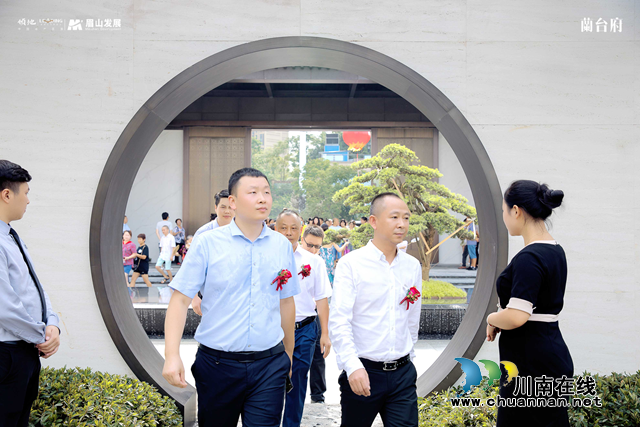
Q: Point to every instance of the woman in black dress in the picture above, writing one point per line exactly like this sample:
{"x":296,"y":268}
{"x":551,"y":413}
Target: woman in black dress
{"x":531,"y":292}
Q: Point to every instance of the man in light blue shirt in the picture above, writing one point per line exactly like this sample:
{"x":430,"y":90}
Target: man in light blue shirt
{"x":224,"y":217}
{"x":28,"y":324}
{"x":223,"y":211}
{"x":242,"y":364}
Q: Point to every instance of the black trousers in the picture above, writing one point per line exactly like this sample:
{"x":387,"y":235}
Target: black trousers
{"x":393,"y":395}
{"x":465,"y":254}
{"x":230,"y":388}
{"x":317,"y":380}
{"x":19,"y":380}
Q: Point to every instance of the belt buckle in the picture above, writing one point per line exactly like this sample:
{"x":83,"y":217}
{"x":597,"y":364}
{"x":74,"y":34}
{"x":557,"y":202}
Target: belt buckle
{"x":390,"y":366}
{"x":297,"y":325}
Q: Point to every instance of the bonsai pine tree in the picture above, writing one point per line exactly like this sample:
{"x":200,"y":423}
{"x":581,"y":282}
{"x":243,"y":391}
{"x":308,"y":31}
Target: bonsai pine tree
{"x":432,"y":205}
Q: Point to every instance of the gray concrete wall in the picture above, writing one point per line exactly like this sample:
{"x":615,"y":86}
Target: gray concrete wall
{"x":455,"y":180}
{"x":548,"y":101}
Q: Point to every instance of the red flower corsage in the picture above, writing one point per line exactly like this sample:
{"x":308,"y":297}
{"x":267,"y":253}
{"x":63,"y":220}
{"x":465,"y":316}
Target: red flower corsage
{"x":412,"y":296}
{"x":282,"y":278}
{"x":306,"y":271}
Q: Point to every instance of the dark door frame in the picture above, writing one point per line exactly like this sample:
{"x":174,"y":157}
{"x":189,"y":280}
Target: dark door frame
{"x":153,"y":117}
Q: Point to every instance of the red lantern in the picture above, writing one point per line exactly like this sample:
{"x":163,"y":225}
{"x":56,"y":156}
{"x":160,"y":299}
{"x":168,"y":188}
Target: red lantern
{"x":356,"y":140}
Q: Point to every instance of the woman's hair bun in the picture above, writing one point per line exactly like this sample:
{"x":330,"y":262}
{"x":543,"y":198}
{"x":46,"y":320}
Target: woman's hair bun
{"x":537,"y":199}
{"x":550,"y":198}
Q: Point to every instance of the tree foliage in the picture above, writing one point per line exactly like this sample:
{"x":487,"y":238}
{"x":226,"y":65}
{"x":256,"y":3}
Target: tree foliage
{"x":321,"y":180}
{"x":432,"y":204}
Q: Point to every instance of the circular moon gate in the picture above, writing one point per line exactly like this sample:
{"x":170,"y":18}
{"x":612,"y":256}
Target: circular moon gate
{"x":153,"y":117}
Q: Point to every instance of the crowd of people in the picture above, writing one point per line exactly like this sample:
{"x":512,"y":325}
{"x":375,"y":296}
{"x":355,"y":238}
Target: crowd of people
{"x":172,"y":245}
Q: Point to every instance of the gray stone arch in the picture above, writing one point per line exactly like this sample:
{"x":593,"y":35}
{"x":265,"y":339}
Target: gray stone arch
{"x":152,"y":118}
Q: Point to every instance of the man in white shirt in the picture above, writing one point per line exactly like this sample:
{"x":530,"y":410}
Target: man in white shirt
{"x":315,"y":289}
{"x":167,"y":243}
{"x":160,"y":224}
{"x":373,"y":326}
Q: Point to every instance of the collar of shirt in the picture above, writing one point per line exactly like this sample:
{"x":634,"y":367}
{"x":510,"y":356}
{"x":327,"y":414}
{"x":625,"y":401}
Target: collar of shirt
{"x":235,"y":231}
{"x":301,"y":251}
{"x":4,"y":227}
{"x":377,"y":253}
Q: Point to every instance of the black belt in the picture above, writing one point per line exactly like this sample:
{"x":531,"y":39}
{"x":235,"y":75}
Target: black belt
{"x":17,"y":344}
{"x":243,"y":356}
{"x":386,"y":366}
{"x":305,"y":322}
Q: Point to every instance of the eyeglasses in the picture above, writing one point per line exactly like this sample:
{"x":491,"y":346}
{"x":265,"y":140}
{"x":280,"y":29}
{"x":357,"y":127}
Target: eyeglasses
{"x":310,"y":245}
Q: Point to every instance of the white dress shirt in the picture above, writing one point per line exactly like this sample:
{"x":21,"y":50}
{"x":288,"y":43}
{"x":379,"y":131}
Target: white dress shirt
{"x":366,"y":318}
{"x":312,"y":288}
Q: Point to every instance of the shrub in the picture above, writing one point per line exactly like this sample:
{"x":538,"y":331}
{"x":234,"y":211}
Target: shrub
{"x":335,"y":236}
{"x":436,"y":409}
{"x":438,"y":292}
{"x":80,"y":397}
{"x":620,"y":403}
{"x":619,"y":393}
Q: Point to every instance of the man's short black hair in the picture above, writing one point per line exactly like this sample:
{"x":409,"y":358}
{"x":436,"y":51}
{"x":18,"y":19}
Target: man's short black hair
{"x":363,"y":218}
{"x":375,"y":203}
{"x":165,"y":215}
{"x":235,"y":177}
{"x":12,"y":175}
{"x":222,"y":194}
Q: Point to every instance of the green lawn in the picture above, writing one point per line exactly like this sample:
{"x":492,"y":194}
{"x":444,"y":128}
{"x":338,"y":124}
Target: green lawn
{"x":438,"y":292}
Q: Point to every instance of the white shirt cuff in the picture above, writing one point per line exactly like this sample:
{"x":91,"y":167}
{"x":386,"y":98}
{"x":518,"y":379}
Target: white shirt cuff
{"x":353,"y":365}
{"x":520,"y":304}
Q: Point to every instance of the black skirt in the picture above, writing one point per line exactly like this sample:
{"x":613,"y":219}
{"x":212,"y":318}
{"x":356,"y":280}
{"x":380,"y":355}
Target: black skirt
{"x":537,"y":349}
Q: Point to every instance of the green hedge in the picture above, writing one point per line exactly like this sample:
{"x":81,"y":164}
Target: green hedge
{"x":80,"y":397}
{"x":620,"y":405}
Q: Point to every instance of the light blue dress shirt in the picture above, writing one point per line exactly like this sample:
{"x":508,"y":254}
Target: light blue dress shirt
{"x":240,"y":305}
{"x":211,"y":225}
{"x":20,"y":306}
